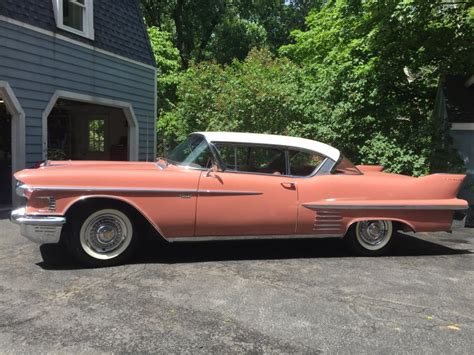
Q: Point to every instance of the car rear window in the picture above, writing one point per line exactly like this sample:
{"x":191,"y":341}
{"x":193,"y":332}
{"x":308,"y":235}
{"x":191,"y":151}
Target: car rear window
{"x":345,"y":166}
{"x":304,"y":163}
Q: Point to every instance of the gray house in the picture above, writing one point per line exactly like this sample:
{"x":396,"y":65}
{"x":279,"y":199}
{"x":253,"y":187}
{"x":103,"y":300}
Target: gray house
{"x":77,"y":81}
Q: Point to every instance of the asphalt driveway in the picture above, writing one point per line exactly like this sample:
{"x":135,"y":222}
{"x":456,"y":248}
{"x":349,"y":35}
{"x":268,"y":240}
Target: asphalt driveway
{"x":305,"y":296}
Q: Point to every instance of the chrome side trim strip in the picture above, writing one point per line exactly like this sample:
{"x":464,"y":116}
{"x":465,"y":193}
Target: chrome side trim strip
{"x":251,"y":237}
{"x":385,"y":207}
{"x":105,"y":189}
{"x":228,"y":192}
{"x":138,"y":190}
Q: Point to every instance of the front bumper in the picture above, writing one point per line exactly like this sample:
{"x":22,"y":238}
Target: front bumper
{"x":39,"y":229}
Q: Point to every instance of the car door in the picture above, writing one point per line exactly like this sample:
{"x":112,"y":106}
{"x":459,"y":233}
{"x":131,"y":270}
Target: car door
{"x":253,"y":196}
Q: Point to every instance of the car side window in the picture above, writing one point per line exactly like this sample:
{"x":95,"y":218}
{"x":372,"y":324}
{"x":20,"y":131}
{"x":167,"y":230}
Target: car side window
{"x":228,"y":154}
{"x":304,"y":163}
{"x":252,"y":159}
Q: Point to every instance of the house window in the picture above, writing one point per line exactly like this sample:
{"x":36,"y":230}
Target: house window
{"x":75,"y":16}
{"x":97,"y":135}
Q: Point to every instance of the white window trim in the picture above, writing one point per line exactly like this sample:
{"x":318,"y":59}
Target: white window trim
{"x":88,"y":19}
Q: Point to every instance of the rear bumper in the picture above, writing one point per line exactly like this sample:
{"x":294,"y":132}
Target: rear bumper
{"x":39,"y":229}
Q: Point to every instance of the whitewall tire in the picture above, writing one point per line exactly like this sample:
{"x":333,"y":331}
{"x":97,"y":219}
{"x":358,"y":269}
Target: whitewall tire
{"x":371,"y":238}
{"x":102,"y":237}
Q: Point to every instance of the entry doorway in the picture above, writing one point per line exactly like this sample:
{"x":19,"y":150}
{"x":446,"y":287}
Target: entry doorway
{"x":85,"y":131}
{"x":5,"y":155}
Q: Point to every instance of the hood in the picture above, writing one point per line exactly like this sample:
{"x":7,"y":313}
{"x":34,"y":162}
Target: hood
{"x":84,"y":164}
{"x":101,"y":174}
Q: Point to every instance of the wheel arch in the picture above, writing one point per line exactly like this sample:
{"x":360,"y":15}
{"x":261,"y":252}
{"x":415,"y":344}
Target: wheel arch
{"x":397,"y":223}
{"x":83,"y":201}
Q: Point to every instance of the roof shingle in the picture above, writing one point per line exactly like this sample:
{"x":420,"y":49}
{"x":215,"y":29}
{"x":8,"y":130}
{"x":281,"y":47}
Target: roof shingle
{"x":118,"y":25}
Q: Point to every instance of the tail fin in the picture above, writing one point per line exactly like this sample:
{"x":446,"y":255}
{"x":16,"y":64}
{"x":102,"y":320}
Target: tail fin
{"x":442,"y":185}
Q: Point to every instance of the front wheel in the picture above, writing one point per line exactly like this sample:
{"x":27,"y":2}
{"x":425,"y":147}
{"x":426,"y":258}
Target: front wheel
{"x":102,"y":237}
{"x":371,"y":238}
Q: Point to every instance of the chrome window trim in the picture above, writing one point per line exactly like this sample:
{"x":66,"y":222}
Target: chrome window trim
{"x":287,"y":167}
{"x":315,"y":173}
{"x":215,"y":152}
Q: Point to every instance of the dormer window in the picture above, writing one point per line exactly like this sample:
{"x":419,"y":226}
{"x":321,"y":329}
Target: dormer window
{"x":76,"y":16}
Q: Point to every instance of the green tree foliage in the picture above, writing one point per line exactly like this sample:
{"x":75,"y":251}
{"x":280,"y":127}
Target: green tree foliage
{"x":191,"y":23}
{"x":376,"y":68}
{"x":168,"y":66}
{"x":260,"y":94}
{"x":359,"y":74}
{"x":233,"y":39}
{"x":226,"y":29}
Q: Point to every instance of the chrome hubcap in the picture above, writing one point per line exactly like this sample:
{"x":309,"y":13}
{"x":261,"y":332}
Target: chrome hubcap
{"x":106,"y":234}
{"x":374,"y":233}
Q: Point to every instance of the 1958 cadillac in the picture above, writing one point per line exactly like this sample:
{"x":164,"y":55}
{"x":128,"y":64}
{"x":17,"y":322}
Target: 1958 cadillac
{"x":220,"y":185}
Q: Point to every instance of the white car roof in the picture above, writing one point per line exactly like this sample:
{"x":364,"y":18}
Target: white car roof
{"x":271,"y":139}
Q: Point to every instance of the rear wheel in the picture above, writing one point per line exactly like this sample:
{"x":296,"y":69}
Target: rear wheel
{"x":102,"y":237}
{"x":371,"y":238}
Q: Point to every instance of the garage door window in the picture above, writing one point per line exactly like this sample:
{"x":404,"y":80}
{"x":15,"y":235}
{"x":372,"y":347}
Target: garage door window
{"x":97,"y":135}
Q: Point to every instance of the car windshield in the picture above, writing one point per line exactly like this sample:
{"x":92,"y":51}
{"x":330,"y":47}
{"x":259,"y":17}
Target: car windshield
{"x":193,"y":152}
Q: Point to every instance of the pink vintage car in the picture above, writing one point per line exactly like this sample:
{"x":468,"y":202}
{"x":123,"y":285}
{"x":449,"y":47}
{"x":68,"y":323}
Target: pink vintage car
{"x":219,"y":185}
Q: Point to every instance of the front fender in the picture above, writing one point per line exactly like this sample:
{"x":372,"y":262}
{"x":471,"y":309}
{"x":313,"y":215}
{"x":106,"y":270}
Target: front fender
{"x":87,"y":198}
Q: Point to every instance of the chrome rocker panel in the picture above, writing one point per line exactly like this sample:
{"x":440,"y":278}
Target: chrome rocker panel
{"x":39,"y":229}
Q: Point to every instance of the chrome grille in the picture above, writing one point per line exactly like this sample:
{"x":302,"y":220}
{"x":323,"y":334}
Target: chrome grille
{"x":327,"y":221}
{"x":52,"y":204}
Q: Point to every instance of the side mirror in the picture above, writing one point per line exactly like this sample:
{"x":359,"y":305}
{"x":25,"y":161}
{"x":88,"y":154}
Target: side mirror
{"x":213,"y":169}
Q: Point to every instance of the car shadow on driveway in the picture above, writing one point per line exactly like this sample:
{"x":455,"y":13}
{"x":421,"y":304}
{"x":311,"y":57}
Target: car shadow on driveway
{"x":158,"y":252}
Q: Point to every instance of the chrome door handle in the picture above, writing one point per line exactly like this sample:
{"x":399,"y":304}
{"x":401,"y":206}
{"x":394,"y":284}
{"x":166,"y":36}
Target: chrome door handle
{"x":289,"y":185}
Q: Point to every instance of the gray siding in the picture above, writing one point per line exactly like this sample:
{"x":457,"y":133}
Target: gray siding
{"x":36,"y":65}
{"x":118,"y":25}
